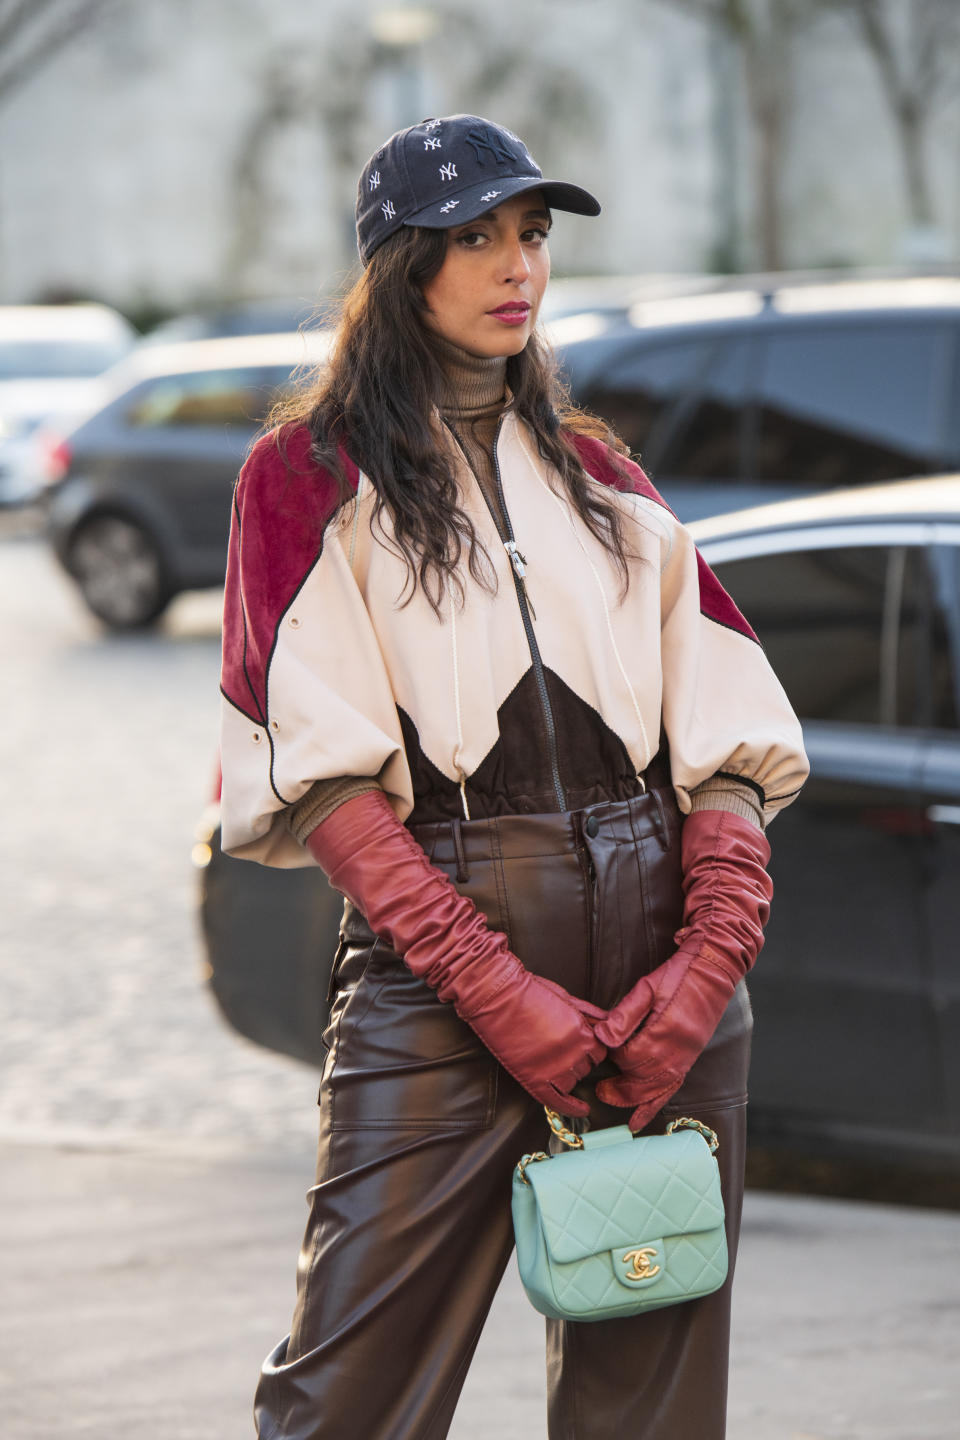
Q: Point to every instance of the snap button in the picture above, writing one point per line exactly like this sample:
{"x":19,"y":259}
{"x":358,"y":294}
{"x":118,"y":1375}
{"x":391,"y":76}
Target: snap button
{"x":256,"y":737}
{"x":274,"y":724}
{"x":592,"y":826}
{"x":294,"y":622}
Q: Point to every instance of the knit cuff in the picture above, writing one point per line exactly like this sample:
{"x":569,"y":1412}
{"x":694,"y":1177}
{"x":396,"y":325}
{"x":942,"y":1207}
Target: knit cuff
{"x":322,"y":799}
{"x":719,"y":793}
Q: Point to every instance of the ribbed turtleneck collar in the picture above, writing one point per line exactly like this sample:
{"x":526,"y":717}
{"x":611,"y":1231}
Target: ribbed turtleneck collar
{"x":477,"y":383}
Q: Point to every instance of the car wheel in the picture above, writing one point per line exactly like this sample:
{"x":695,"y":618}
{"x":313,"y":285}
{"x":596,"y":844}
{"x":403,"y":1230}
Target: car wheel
{"x":120,"y":571}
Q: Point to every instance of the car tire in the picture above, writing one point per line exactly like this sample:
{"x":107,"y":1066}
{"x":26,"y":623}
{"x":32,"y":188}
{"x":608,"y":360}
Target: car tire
{"x":120,"y":571}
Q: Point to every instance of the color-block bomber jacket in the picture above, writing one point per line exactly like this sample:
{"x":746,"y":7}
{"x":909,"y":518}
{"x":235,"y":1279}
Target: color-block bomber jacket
{"x":552,"y":690}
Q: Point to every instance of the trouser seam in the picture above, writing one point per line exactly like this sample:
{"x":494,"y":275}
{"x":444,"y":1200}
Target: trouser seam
{"x":462,"y":1368}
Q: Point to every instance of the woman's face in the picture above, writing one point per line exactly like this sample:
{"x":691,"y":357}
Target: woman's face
{"x":486,"y":295}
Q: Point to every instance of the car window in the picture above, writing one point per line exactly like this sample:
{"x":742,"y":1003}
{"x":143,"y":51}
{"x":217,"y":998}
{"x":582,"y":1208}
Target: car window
{"x":56,"y":359}
{"x":845,"y":404}
{"x":700,"y":439}
{"x":953,"y":406}
{"x":675,"y":404}
{"x":944,"y":568}
{"x":854,"y":634}
{"x":209,"y":397}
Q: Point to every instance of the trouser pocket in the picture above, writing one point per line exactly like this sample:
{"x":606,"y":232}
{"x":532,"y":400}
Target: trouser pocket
{"x":399,"y":1058}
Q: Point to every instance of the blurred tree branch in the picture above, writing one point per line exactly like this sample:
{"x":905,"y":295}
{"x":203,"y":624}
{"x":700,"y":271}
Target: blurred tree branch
{"x":33,"y":32}
{"x":328,"y":91}
{"x":762,"y":32}
{"x":915,"y":45}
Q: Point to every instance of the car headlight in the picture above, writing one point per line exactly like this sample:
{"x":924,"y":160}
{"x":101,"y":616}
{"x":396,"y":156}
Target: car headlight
{"x":201,"y":852}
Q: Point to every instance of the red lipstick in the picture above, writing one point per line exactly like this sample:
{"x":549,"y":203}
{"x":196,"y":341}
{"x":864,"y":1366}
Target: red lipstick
{"x":514,"y":312}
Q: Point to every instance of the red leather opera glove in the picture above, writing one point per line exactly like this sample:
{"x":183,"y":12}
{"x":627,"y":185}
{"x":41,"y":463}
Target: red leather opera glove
{"x":660,"y":1027}
{"x":537,"y":1031}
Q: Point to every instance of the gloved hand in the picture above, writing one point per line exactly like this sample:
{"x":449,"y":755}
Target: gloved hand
{"x":540,"y":1033}
{"x":661,"y":1026}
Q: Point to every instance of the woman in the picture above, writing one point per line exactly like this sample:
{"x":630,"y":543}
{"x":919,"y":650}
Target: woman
{"x":475,"y":669}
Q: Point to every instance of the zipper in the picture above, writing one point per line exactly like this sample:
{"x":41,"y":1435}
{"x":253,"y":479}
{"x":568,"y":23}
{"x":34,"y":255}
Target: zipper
{"x":518,"y":571}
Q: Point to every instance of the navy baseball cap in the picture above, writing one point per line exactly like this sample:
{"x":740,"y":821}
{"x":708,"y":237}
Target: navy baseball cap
{"x":441,"y":173}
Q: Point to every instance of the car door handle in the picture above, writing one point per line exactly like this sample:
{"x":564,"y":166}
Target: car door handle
{"x":944,"y":814}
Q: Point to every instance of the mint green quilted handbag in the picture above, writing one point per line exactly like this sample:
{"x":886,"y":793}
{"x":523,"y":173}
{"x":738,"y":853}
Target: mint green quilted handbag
{"x":619,"y":1224}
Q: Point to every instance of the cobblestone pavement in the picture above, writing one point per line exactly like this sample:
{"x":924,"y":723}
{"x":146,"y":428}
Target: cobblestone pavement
{"x":109,"y":749}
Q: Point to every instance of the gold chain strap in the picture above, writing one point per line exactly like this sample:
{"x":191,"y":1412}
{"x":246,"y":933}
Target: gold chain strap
{"x":562,"y":1133}
{"x":575,"y":1142}
{"x":560,"y":1130}
{"x":684,"y":1122}
{"x":528,"y":1160}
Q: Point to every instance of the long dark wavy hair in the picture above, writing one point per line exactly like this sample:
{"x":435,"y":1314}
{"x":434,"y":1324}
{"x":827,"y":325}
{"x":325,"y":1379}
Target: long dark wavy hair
{"x":378,"y":395}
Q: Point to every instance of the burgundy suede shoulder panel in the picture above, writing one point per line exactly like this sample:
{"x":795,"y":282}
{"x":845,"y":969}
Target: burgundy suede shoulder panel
{"x":717,"y":605}
{"x":620,"y":473}
{"x":282,"y":503}
{"x":612,"y":469}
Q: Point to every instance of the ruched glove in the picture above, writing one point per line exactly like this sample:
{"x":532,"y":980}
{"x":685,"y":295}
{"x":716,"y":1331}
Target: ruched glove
{"x":660,"y":1027}
{"x":541,"y":1034}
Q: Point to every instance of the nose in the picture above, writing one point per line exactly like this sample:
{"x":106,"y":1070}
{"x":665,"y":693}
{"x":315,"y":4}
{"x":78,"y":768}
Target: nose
{"x":516,"y":265}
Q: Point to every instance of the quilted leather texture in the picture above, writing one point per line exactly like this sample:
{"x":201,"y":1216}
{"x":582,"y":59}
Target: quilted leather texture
{"x":583,"y":1211}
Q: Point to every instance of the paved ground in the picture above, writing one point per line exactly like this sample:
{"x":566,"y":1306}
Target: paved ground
{"x":142,"y":1286}
{"x":108,"y":759}
{"x":153,"y":1164}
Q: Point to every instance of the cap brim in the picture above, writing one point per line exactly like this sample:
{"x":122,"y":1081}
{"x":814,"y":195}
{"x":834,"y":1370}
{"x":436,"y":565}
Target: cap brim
{"x":477,"y":200}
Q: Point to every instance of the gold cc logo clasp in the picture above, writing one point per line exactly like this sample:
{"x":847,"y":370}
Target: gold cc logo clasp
{"x":639,"y":1261}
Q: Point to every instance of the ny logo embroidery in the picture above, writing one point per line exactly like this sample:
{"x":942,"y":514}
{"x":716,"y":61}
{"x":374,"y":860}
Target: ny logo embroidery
{"x":448,"y":172}
{"x":432,"y":124}
{"x":488,"y":140}
{"x":450,"y":205}
{"x":388,"y":211}
{"x":374,"y":179}
{"x":490,"y":195}
{"x":432,"y":143}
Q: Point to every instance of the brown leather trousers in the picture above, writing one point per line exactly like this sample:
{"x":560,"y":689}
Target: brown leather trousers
{"x":410,"y":1229}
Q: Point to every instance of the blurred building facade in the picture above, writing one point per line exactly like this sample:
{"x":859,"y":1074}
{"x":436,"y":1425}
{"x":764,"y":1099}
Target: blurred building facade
{"x":170,"y":154}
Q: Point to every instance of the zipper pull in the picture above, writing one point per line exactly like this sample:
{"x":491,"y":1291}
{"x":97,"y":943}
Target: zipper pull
{"x":518,"y":561}
{"x":526,"y":596}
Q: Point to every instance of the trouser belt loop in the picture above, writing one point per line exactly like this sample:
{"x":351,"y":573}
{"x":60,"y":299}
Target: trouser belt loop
{"x":660,"y":820}
{"x":463,"y":873}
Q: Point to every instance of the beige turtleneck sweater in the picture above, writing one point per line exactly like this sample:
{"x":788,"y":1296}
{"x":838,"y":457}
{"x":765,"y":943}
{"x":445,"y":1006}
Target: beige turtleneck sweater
{"x":473,"y":407}
{"x":476,"y":400}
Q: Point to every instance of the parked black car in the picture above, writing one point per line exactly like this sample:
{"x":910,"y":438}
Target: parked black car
{"x":729,"y":396}
{"x":139,"y":504}
{"x":856,"y":597}
{"x":744,"y":396}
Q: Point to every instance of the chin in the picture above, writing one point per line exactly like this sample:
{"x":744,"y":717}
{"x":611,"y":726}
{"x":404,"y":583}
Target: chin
{"x":510,"y":344}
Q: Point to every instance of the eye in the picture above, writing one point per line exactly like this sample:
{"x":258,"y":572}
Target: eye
{"x":536,"y":235}
{"x":471,"y":239}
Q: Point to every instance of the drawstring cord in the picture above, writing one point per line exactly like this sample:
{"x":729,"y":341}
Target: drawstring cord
{"x":564,"y":510}
{"x":356,"y":518}
{"x":456,"y":700}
